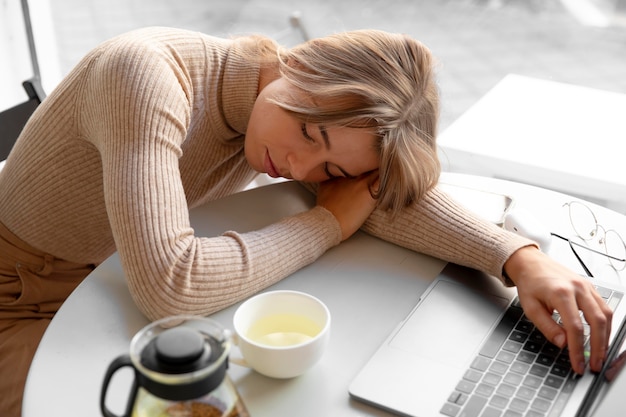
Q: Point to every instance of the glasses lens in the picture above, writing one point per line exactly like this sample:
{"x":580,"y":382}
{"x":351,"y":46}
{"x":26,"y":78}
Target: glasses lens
{"x":583,"y":220}
{"x":616,"y":249}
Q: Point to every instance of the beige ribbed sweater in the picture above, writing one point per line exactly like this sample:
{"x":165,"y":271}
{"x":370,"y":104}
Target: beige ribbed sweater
{"x":150,"y":124}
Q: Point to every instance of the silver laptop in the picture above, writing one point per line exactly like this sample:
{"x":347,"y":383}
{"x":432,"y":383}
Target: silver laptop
{"x":467,"y":350}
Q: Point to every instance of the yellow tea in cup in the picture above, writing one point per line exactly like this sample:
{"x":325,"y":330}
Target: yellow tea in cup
{"x":283,"y":330}
{"x":281,"y":334}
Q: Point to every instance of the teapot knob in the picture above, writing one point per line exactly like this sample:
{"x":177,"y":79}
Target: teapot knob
{"x":180,"y":345}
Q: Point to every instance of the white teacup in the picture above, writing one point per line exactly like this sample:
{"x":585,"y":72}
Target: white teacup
{"x":281,"y":334}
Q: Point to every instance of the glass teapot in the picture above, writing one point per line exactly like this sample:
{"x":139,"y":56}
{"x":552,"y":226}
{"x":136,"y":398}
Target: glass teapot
{"x":179,"y":365}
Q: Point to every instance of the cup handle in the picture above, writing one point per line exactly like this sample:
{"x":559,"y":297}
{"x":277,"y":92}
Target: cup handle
{"x":118,"y":363}
{"x":237,"y":360}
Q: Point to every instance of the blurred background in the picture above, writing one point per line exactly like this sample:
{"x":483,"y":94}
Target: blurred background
{"x":476,"y":42}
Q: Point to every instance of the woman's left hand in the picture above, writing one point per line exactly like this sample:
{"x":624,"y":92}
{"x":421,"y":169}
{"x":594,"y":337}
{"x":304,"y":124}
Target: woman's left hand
{"x":543,"y":286}
{"x":349,"y":200}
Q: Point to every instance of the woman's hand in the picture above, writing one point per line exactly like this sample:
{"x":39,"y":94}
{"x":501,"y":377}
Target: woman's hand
{"x":349,"y":200}
{"x":543,"y":286}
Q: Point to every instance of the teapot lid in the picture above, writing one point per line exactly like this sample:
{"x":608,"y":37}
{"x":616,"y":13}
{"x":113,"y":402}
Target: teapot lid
{"x":180,"y":350}
{"x":181,"y":357}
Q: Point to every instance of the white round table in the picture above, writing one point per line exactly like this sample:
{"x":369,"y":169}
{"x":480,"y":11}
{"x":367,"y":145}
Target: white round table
{"x":369,"y":286}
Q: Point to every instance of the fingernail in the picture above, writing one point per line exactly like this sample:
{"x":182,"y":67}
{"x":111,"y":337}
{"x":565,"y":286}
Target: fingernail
{"x":559,"y":340}
{"x":597,"y":364}
{"x":581,"y":366}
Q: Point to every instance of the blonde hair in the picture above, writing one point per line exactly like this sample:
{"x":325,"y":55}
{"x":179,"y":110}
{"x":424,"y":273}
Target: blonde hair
{"x":373,"y":79}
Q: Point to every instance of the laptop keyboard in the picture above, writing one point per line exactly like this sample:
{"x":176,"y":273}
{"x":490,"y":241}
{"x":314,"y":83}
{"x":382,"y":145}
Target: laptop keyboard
{"x":517,"y":371}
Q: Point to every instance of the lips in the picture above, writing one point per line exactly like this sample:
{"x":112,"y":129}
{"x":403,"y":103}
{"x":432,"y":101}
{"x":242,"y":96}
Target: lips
{"x":270,"y":169}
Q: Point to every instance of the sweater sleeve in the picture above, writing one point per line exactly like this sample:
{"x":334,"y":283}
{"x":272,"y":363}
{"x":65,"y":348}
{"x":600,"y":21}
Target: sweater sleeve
{"x":205,"y":275}
{"x":137,"y":112}
{"x":439,"y":226}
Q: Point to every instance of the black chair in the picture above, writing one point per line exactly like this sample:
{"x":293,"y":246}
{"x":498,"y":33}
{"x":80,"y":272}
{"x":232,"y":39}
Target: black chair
{"x":13,"y":119}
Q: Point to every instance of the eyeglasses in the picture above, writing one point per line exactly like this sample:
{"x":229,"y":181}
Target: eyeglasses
{"x":587,"y":228}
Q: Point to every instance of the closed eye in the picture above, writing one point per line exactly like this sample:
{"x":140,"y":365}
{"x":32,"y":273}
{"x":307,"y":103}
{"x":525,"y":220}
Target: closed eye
{"x":326,"y":142}
{"x":306,"y":135}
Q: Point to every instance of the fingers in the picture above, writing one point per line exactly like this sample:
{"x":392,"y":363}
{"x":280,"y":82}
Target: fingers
{"x":349,"y":200}
{"x":574,"y":328}
{"x":599,"y":317}
{"x":544,"y":286}
{"x":555,"y":333}
{"x":594,"y":323}
{"x":615,"y":368}
{"x":575,"y":333}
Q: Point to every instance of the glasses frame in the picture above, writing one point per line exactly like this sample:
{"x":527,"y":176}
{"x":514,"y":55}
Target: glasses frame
{"x":594,"y":233}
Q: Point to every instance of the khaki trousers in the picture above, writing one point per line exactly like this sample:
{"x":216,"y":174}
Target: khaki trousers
{"x":33,"y":285}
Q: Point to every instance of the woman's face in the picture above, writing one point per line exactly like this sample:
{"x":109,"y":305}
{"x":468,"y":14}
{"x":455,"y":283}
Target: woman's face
{"x":280,"y":145}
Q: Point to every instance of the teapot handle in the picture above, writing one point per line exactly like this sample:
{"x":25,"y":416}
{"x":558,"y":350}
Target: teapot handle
{"x":118,"y":363}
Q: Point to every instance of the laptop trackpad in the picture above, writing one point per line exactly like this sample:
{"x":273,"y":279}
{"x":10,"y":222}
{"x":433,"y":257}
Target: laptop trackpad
{"x":449,"y":324}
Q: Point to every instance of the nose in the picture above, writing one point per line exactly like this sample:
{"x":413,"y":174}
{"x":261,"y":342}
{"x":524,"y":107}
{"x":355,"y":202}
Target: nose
{"x":301,"y":164}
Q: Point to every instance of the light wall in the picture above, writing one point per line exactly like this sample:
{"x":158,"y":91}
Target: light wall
{"x":15,"y":62}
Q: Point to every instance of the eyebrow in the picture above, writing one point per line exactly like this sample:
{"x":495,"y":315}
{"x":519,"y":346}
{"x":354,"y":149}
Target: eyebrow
{"x":324,"y":134}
